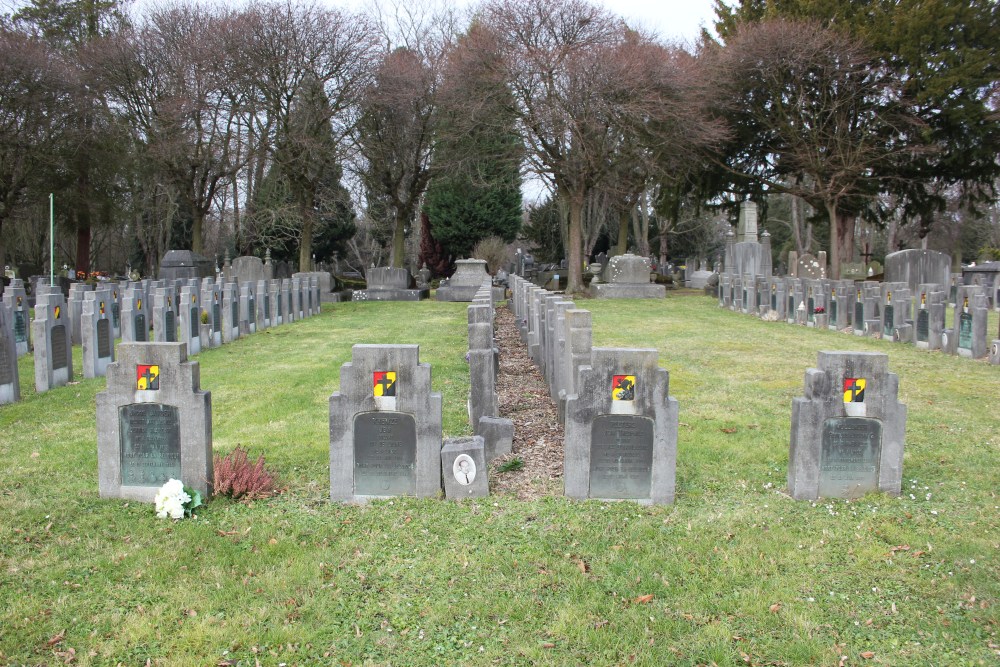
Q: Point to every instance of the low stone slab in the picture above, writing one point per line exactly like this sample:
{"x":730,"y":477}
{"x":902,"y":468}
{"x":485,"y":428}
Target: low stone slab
{"x":463,"y":468}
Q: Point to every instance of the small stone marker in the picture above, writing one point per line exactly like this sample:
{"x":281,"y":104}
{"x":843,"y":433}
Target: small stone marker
{"x":621,"y":429}
{"x":10,"y":386}
{"x":848,"y":431}
{"x":385,"y":426}
{"x":153,"y":423}
{"x":463,"y":468}
{"x":53,"y":351}
{"x":98,"y":344}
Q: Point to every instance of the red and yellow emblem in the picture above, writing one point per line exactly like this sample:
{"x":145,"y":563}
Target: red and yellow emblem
{"x":854,"y":390}
{"x":138,"y":304}
{"x":102,"y":308}
{"x":623,"y":388}
{"x":147,"y":377}
{"x":57,"y":311}
{"x":384,"y":383}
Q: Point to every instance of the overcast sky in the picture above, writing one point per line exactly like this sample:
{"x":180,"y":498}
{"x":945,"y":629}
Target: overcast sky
{"x":675,"y":20}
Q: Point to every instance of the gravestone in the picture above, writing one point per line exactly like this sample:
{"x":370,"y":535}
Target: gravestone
{"x":915,"y":267}
{"x":385,"y":283}
{"x":465,"y":282}
{"x":274,"y":291}
{"x":135,"y":324}
{"x":248,"y":309}
{"x":971,"y":317}
{"x":184,"y":264}
{"x":53,"y":349}
{"x":74,"y":309}
{"x":385,"y":426}
{"x":247,"y":269}
{"x":15,"y":297}
{"x":164,"y":315}
{"x":10,"y":384}
{"x":809,"y":267}
{"x":285,"y":306}
{"x":627,"y":277}
{"x":98,"y":344}
{"x":230,"y":312}
{"x":848,"y":430}
{"x":621,"y":429}
{"x":117,"y":291}
{"x":211,"y":303}
{"x":189,"y":309}
{"x":264,"y":308}
{"x":154,"y":423}
{"x":463,"y":468}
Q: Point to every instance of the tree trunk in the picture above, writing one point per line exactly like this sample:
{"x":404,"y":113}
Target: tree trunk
{"x":831,"y":209}
{"x":306,"y":242}
{"x":663,"y":243}
{"x":574,"y":272}
{"x":642,"y":238}
{"x":197,"y":218}
{"x":797,"y":224}
{"x":846,"y":235}
{"x":398,"y":243}
{"x":83,"y":244}
{"x":623,"y":219}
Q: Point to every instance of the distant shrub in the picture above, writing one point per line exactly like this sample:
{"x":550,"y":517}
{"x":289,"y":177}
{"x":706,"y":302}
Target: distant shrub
{"x":238,"y":478}
{"x":494,"y":250}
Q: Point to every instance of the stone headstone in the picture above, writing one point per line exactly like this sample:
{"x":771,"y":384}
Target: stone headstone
{"x":154,"y":423}
{"x":15,"y":297}
{"x":971,"y":316}
{"x":74,"y":309}
{"x":230,"y":312}
{"x":53,"y":348}
{"x":848,"y":430}
{"x":385,"y":426}
{"x":746,"y":228}
{"x":211,"y":303}
{"x":248,"y":309}
{"x":98,"y":345}
{"x":189,"y":318}
{"x":463,"y":468}
{"x":247,"y":269}
{"x":136,"y":315}
{"x":621,"y":429}
{"x":10,"y":384}
{"x":465,"y":282}
{"x":809,"y":267}
{"x":627,"y":277}
{"x":164,"y":315}
{"x":915,"y":267}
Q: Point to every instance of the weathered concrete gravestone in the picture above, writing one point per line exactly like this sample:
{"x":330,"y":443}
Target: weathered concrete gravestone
{"x":628,"y":278}
{"x":621,"y":429}
{"x":10,"y":386}
{"x":230,"y":312}
{"x":164,"y":315}
{"x":385,"y":426}
{"x":189,"y":316}
{"x":98,"y":345}
{"x":153,"y":423}
{"x":916,"y":267}
{"x":53,"y":349}
{"x":211,"y":303}
{"x":463,"y":468}
{"x":16,"y":299}
{"x":848,"y":430}
{"x":135,"y":323}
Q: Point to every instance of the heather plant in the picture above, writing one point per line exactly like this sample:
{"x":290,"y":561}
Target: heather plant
{"x":238,"y":478}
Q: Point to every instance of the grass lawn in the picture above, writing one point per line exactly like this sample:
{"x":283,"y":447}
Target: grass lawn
{"x":734,"y":573}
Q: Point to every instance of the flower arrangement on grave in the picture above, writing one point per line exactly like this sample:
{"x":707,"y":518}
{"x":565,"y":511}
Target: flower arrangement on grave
{"x":819,"y":310}
{"x":175,"y":500}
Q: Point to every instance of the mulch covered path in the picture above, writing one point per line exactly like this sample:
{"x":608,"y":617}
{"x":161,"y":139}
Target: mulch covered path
{"x":538,"y":435}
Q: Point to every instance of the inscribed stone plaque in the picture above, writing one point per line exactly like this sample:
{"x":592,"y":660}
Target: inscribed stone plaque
{"x":833,"y":311}
{"x":859,"y":315}
{"x":385,"y":454}
{"x":150,"y":443}
{"x":216,"y":318}
{"x":103,"y":339}
{"x":791,"y":306}
{"x":923,"y":326}
{"x":267,"y":307}
{"x":236,"y":313}
{"x":195,"y":321}
{"x":6,"y":364}
{"x":252,"y":310}
{"x":887,"y":319}
{"x":116,"y":313}
{"x":141,"y":333}
{"x":20,"y":327}
{"x":965,"y":331}
{"x":58,"y":350}
{"x":170,"y":324}
{"x":774,"y":300}
{"x":621,"y":456}
{"x":279,"y":305}
{"x":757,"y":298}
{"x":849,"y":459}
{"x":744,"y":299}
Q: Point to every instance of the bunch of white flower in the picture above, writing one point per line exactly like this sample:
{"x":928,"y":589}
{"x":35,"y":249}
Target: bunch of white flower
{"x":170,"y":500}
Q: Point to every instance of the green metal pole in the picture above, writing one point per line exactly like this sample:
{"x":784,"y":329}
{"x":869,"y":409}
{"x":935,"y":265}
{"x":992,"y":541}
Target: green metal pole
{"x":52,"y":240}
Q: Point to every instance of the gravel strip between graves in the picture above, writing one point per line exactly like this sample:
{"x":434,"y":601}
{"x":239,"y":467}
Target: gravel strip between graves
{"x":538,"y":435}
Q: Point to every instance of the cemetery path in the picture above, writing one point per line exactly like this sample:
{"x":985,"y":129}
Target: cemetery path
{"x":538,"y":435}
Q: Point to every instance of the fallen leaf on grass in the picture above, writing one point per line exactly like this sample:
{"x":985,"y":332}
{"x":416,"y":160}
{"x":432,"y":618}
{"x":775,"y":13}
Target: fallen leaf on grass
{"x":272,"y":541}
{"x":867,"y":654}
{"x":643,"y":599}
{"x":600,"y":624}
{"x":728,"y":430}
{"x":775,"y":607}
{"x":57,"y":638}
{"x":548,"y":645}
{"x":582,"y":566}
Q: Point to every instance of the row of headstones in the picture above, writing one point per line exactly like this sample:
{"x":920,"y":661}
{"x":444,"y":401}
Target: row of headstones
{"x":154,"y":423}
{"x":497,"y":433}
{"x":847,"y":432}
{"x":200,"y":313}
{"x":890,"y":310}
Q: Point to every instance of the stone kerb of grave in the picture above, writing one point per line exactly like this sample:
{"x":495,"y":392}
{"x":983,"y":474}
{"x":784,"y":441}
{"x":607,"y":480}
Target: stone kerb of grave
{"x":154,"y":423}
{"x":387,"y":283}
{"x":621,"y":430}
{"x":385,"y":427}
{"x":465,"y":282}
{"x":848,"y":430}
{"x":10,"y":385}
{"x":628,"y":278}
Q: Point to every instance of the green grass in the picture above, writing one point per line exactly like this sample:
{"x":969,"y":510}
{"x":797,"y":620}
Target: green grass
{"x":737,"y":571}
